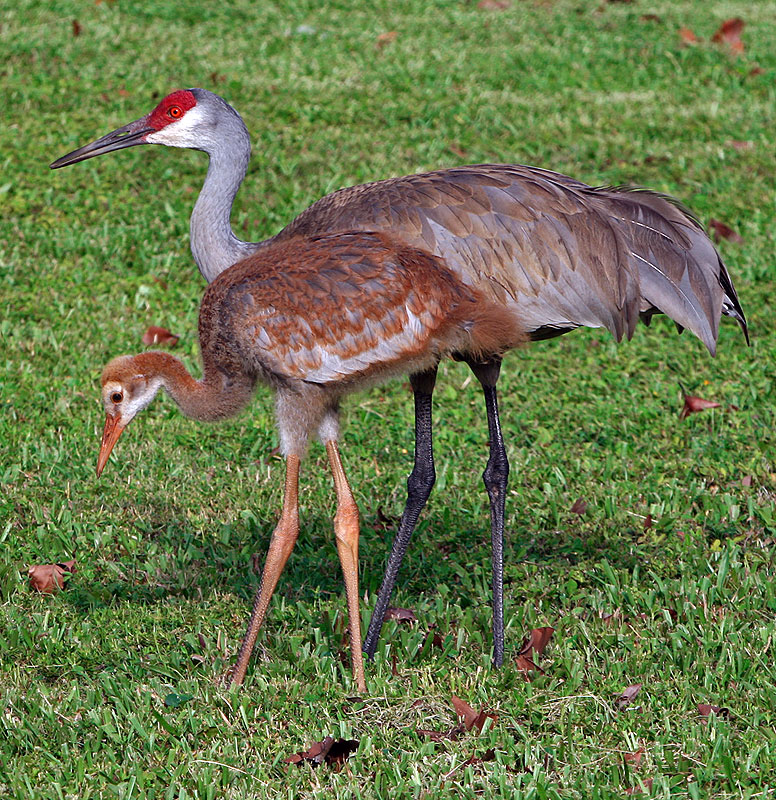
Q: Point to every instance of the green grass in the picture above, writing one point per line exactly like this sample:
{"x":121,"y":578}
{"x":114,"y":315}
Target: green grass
{"x":91,"y":255}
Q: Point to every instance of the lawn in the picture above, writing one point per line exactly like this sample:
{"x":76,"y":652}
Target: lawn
{"x":645,"y":540}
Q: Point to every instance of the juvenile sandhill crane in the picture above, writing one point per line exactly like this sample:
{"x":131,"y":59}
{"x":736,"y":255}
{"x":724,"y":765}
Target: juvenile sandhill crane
{"x":550,"y":251}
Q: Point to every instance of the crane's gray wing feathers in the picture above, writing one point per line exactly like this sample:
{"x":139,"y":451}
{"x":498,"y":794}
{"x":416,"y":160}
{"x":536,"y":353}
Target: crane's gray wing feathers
{"x":564,"y":254}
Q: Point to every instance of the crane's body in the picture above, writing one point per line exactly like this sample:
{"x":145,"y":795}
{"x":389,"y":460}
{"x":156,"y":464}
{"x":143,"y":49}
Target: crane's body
{"x":533,"y":252}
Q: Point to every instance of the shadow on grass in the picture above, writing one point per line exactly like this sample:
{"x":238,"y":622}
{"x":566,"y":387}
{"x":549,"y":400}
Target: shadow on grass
{"x":175,"y":560}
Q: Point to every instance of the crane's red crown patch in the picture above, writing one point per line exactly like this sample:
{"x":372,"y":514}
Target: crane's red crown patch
{"x":171,"y":108}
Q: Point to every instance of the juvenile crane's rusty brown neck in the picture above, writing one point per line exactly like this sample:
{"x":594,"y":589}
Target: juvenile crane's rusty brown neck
{"x":218,"y":395}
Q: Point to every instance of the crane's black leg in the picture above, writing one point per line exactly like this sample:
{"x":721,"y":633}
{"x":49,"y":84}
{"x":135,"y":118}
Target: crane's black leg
{"x":419,"y":485}
{"x":495,"y":478}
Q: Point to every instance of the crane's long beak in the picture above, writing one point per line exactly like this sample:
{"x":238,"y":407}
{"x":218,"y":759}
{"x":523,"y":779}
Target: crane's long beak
{"x":110,"y":435}
{"x":125,"y":136}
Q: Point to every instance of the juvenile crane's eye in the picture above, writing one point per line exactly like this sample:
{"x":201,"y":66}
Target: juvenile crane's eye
{"x":117,"y":397}
{"x":175,"y":112}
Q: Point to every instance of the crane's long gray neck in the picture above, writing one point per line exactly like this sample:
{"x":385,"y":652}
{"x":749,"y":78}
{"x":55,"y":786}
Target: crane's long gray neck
{"x":213,"y":243}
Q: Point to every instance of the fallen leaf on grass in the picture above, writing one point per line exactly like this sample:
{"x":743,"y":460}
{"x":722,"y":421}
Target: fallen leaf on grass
{"x":705,"y":710}
{"x":746,"y":481}
{"x":692,"y":405}
{"x":634,"y":759}
{"x":50,"y":578}
{"x":439,"y":736}
{"x":729,"y":33}
{"x":400,"y":614}
{"x":494,"y":5}
{"x":76,"y":28}
{"x":386,"y":38}
{"x":651,"y":18}
{"x":628,"y":695}
{"x":579,"y":507}
{"x":332,"y":752}
{"x":687,"y":36}
{"x":156,"y":335}
{"x":436,"y":641}
{"x":534,"y":643}
{"x":722,"y":231}
{"x":740,"y":144}
{"x":471,"y":718}
{"x":648,"y":522}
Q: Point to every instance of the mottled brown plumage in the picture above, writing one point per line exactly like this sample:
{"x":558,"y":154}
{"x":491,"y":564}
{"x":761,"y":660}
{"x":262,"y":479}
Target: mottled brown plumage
{"x":315,"y":318}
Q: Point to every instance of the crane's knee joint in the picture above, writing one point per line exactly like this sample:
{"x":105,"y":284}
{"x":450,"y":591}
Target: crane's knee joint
{"x":496,"y":474}
{"x":421,"y":482}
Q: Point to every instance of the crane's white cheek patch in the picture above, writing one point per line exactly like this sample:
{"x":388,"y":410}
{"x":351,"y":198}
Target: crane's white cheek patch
{"x":182,"y":132}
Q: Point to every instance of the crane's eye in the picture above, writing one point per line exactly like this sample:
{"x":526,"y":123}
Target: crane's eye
{"x":176,"y":112}
{"x":117,"y":397}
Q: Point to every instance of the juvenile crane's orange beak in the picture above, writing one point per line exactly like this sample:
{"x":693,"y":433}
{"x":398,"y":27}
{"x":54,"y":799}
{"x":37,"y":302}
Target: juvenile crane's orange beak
{"x":110,"y":435}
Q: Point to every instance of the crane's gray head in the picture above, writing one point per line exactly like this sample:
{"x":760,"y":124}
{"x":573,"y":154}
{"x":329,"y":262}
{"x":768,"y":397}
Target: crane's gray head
{"x":193,"y":118}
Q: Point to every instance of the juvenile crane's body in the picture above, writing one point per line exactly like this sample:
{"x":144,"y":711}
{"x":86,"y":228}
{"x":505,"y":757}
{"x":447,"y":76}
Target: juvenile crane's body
{"x":469,"y":261}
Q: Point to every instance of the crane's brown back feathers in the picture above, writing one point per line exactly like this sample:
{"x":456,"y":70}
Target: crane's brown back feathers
{"x":344,"y":307}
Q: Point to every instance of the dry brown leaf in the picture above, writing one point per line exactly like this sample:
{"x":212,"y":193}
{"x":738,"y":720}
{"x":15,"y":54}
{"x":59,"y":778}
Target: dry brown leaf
{"x":536,"y":641}
{"x":386,"y":38}
{"x":579,"y":507}
{"x":746,"y":481}
{"x":758,"y":70}
{"x":634,"y":759}
{"x":472,"y":718}
{"x":692,"y":405}
{"x":720,"y":230}
{"x":76,"y":28}
{"x":729,"y":33}
{"x":332,"y":752}
{"x":628,"y":695}
{"x":651,"y":18}
{"x":687,"y":36}
{"x":436,"y":640}
{"x":400,"y":614}
{"x":156,"y":335}
{"x":439,"y":736}
{"x":494,"y":5}
{"x":525,"y":664}
{"x":464,"y":711}
{"x":50,"y":578}
{"x":648,"y":522}
{"x":705,"y":710}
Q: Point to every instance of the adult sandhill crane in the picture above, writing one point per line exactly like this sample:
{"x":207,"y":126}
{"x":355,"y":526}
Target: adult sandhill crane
{"x":552,"y":252}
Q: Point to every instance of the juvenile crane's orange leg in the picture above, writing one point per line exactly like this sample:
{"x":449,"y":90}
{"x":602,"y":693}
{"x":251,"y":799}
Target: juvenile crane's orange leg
{"x":346,"y":532}
{"x":280,"y":546}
